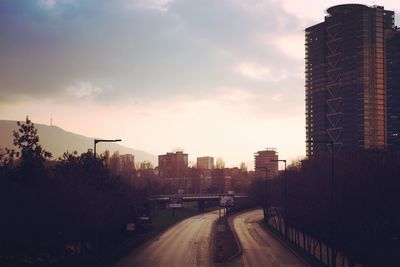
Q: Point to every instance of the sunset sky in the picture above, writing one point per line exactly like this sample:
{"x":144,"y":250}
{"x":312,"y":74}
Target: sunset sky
{"x":213,"y":77}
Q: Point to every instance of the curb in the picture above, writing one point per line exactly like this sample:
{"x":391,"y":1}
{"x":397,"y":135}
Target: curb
{"x":239,"y":246}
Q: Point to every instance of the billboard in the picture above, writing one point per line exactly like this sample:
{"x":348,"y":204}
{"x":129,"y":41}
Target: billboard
{"x":175,"y":202}
{"x":227,"y":201}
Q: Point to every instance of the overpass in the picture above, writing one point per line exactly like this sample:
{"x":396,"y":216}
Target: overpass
{"x":200,"y":198}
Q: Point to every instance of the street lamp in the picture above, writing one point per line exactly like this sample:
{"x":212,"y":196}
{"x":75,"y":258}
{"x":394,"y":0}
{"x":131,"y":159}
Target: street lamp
{"x":285,"y":195}
{"x":332,"y":170}
{"x":332,"y":182}
{"x":103,"y":140}
{"x":266,"y":192}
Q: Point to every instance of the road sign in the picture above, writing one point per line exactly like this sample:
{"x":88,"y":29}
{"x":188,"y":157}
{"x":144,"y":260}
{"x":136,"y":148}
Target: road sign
{"x":175,"y":202}
{"x":227,"y":201}
{"x":130,"y":227}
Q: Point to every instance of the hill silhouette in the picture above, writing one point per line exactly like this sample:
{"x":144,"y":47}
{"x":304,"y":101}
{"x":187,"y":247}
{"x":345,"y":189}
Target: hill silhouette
{"x":57,"y":141}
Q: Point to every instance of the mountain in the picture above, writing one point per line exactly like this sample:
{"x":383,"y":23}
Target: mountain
{"x":57,"y":141}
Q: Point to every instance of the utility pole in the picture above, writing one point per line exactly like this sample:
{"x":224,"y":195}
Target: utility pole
{"x":285,"y":213}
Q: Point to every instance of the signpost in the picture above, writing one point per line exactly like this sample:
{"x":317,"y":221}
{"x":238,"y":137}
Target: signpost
{"x":130,"y":227}
{"x":227,"y":201}
{"x":175,"y":202}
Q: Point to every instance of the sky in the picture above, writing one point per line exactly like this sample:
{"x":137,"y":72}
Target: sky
{"x":222,"y":78}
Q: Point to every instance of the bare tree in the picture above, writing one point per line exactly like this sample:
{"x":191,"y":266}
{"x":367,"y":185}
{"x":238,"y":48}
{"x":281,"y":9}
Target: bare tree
{"x":243,"y":167}
{"x":144,"y":165}
{"x":220,"y":163}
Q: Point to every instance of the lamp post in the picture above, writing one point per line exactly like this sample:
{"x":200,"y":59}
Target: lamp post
{"x":332,"y":183}
{"x":94,"y":155}
{"x":332,"y":170}
{"x":266,"y":192}
{"x":103,"y":140}
{"x":285,"y":195}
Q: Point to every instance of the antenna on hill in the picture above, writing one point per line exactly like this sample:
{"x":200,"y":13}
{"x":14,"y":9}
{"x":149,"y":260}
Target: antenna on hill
{"x":51,"y":121}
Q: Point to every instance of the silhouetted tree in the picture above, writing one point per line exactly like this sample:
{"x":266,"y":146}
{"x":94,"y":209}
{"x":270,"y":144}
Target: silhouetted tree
{"x":31,"y":154}
{"x":363,"y":221}
{"x":74,"y":204}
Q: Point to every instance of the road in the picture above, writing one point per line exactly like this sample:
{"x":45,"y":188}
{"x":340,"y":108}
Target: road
{"x":259,"y":247}
{"x":185,"y":244}
{"x":188,"y":244}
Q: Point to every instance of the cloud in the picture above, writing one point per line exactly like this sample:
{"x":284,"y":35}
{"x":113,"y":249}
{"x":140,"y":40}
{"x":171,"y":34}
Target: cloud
{"x":161,"y":5}
{"x":48,"y":3}
{"x":141,"y":49}
{"x":277,"y":98}
{"x":253,"y":71}
{"x":83,"y":90}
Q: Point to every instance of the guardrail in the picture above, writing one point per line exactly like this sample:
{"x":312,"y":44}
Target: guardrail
{"x":189,"y":197}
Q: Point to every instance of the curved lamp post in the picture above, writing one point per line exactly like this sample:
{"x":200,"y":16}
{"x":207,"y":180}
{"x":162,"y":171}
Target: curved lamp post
{"x":285,"y":194}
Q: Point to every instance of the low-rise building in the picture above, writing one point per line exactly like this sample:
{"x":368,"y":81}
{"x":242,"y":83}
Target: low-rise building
{"x":173,"y":165}
{"x":206,"y":163}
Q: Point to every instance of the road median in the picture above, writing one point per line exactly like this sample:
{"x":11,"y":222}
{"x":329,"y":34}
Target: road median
{"x":226,"y":242}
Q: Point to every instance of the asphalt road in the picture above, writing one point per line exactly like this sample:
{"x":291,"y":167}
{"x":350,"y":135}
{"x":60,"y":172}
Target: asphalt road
{"x":259,"y":247}
{"x":185,"y":244}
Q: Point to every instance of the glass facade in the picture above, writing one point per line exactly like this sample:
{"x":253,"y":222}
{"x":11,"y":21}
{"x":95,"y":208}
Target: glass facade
{"x":345,"y":79}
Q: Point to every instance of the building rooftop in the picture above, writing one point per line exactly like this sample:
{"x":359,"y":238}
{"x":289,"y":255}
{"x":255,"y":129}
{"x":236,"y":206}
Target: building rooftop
{"x":344,"y":8}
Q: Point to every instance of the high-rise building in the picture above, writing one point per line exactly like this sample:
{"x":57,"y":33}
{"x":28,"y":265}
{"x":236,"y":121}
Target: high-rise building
{"x":173,"y":165}
{"x":265,"y":163}
{"x":345,"y":79}
{"x":393,"y":91}
{"x":206,"y":163}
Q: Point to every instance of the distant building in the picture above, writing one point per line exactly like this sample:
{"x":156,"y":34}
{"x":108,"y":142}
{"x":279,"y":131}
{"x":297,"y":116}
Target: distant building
{"x":173,"y":165}
{"x":263,"y":164}
{"x":206,"y":163}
